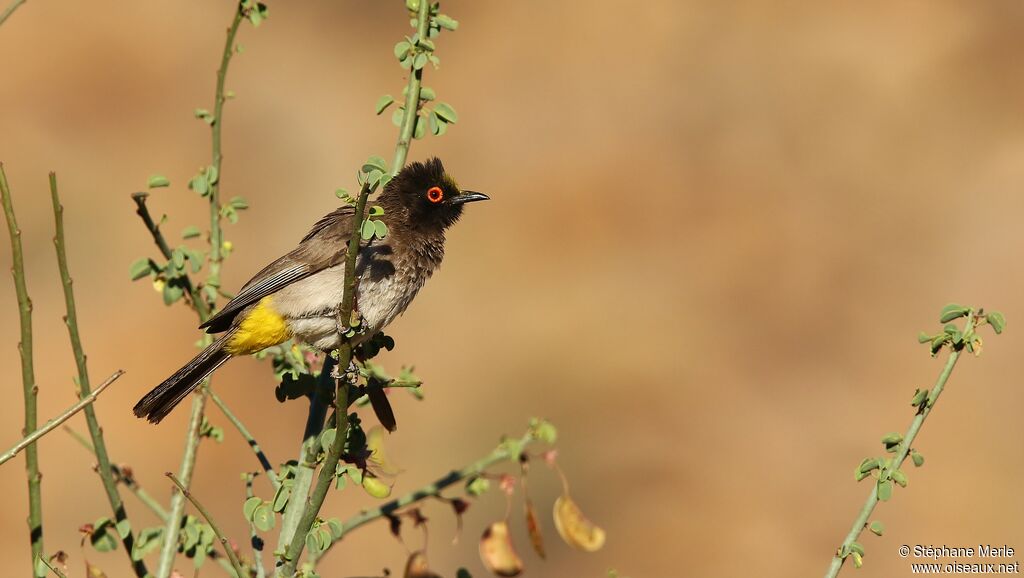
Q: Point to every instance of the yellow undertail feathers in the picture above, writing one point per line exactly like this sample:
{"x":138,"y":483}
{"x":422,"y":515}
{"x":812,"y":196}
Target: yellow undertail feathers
{"x":261,"y":328}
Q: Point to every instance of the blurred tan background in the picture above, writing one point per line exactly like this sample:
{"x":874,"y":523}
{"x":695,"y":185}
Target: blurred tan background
{"x":717,"y":228}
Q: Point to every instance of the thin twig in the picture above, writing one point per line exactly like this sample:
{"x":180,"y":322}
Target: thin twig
{"x":503,"y":452}
{"x":904,"y":449}
{"x":28,"y":377}
{"x":327,"y":470}
{"x":95,"y":431}
{"x":63,"y":417}
{"x":169,"y":546}
{"x":200,"y":306}
{"x":53,"y":568}
{"x":412,"y":97}
{"x":264,"y":462}
{"x":10,"y":10}
{"x":123,"y":477}
{"x":232,"y":556}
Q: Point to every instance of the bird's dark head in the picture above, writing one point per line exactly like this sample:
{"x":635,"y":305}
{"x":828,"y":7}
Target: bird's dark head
{"x":429,"y":195}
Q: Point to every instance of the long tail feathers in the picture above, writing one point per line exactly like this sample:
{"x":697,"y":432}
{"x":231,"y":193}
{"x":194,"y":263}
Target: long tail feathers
{"x":159,"y":402}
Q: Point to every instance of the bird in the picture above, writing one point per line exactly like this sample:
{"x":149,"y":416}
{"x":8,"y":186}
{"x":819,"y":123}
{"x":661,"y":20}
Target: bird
{"x":299,"y":294}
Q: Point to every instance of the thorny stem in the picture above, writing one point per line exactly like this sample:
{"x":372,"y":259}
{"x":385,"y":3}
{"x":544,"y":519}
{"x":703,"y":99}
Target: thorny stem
{"x":264,"y":462}
{"x":63,"y":417}
{"x":28,"y":378}
{"x":412,"y":97}
{"x":330,"y":465}
{"x":125,"y":478}
{"x":10,"y":10}
{"x":199,"y":402}
{"x":504,"y":452}
{"x":95,"y":431}
{"x":232,"y":556}
{"x":904,"y":448}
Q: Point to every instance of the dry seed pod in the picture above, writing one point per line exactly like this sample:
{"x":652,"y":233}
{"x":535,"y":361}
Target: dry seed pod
{"x":417,"y":566}
{"x":533,"y":527}
{"x":497,"y":552}
{"x":575,"y":528}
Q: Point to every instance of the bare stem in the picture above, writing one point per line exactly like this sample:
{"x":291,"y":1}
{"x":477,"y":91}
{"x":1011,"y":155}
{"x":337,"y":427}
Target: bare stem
{"x":904,"y":449}
{"x":232,"y":556}
{"x":216,"y":256}
{"x":28,"y":378}
{"x":502,"y":453}
{"x":412,"y":97}
{"x":264,"y":462}
{"x":10,"y":10}
{"x":63,"y":417}
{"x":95,"y":431}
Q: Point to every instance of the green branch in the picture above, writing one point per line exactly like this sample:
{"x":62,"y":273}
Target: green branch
{"x":10,"y":10}
{"x":330,"y":465}
{"x":216,"y":256}
{"x":889,"y":470}
{"x":28,"y":379}
{"x":232,"y":556}
{"x":412,"y":97}
{"x":264,"y":462}
{"x":95,"y":431}
{"x":504,"y":452}
{"x":63,"y":417}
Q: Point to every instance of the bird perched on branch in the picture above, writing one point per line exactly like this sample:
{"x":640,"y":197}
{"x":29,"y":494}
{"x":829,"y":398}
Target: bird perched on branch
{"x":299,"y":295}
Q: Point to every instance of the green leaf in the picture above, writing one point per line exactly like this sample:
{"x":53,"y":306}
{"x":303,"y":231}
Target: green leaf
{"x":312,"y":543}
{"x":263,"y":518}
{"x":380,"y":229}
{"x":327,"y":438}
{"x":367,"y":230}
{"x":171,"y":293}
{"x":427,"y":93}
{"x":397,"y":116}
{"x":190,"y":232}
{"x":917,"y":458}
{"x":857,"y":548}
{"x":877,"y":528}
{"x":199,"y":184}
{"x":446,"y":22}
{"x":239,"y":203}
{"x":478,"y":486}
{"x":336,"y":527}
{"x":868,"y":464}
{"x":140,"y":269}
{"x":920,"y":395}
{"x":212,"y":176}
{"x":900,"y":478}
{"x":420,"y":129}
{"x":419,"y":61}
{"x":384,"y":102}
{"x":102,"y":538}
{"x":891,"y":441}
{"x":124,"y":527}
{"x":884,"y":490}
{"x":544,"y":431}
{"x":178,"y":258}
{"x":249,"y":507}
{"x":437,"y":126}
{"x":281,"y":498}
{"x":258,"y":14}
{"x":953,"y":311}
{"x":923,"y":337}
{"x":402,"y":49}
{"x":446,"y":112}
{"x":858,"y":559}
{"x":375,"y":162}
{"x":997,"y":321}
{"x":157,"y":181}
{"x":376,"y":211}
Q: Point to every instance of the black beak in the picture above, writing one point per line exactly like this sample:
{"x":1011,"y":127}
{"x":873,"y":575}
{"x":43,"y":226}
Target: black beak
{"x":468,"y":197}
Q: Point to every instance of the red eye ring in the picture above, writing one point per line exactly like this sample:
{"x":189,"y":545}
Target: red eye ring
{"x":435,"y":194}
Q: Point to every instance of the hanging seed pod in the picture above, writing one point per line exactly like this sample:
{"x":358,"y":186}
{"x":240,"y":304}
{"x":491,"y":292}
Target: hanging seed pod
{"x":533,"y":527}
{"x":417,"y":566}
{"x":575,"y":528}
{"x":497,"y":552}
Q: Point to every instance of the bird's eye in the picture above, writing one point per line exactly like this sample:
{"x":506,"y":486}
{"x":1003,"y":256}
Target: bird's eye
{"x":435,"y":194}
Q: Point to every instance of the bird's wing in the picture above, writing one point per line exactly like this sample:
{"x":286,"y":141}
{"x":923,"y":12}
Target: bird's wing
{"x":324,"y":246}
